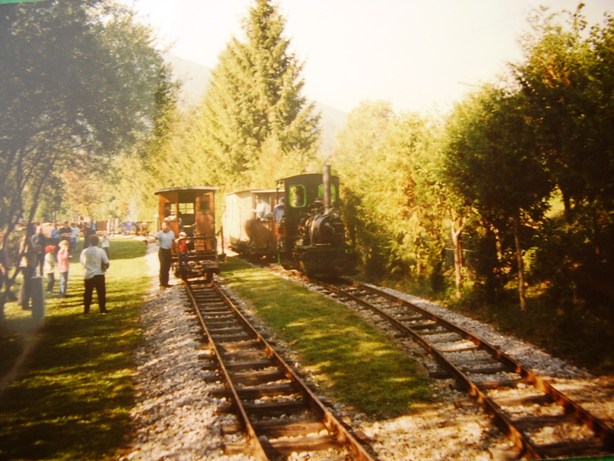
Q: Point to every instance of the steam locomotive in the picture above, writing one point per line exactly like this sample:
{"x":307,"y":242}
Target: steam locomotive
{"x":303,"y":230}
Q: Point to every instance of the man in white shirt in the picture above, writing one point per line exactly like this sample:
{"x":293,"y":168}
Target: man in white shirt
{"x":165,"y":238}
{"x":95,"y":262}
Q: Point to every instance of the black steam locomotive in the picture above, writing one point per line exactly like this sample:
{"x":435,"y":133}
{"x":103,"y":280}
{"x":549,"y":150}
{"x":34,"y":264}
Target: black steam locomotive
{"x":311,"y":235}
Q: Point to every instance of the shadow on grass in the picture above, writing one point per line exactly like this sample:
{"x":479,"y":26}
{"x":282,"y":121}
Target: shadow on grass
{"x":73,"y":402}
{"x":359,"y":365}
{"x":73,"y":398}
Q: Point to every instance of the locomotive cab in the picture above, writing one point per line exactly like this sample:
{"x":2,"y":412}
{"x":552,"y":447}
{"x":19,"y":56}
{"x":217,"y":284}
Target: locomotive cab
{"x":190,"y":213}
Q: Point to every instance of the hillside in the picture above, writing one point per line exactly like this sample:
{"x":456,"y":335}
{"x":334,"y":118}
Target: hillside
{"x":194,"y":78}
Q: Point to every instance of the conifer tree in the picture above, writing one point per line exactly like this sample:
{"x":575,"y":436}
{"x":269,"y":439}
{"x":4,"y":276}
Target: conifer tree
{"x":254,"y":102}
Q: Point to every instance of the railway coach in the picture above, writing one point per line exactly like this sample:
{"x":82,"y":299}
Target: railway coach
{"x":190,"y":213}
{"x":249,"y":235}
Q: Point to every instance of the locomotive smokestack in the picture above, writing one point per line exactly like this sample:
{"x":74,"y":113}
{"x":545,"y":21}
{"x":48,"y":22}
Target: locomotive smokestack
{"x":326,"y":183}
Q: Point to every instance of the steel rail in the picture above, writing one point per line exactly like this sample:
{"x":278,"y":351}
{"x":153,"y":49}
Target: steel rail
{"x":601,"y":430}
{"x":339,"y":432}
{"x":527,"y":448}
{"x":253,"y":440}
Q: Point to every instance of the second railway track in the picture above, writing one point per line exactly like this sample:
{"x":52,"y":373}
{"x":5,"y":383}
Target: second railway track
{"x":277,"y":412}
{"x":541,"y":420}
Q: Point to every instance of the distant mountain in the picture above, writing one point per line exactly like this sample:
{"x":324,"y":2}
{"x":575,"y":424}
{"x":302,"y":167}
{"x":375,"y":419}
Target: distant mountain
{"x":195,"y":77}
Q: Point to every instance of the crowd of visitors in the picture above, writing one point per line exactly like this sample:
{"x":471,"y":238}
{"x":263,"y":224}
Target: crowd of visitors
{"x":45,"y":249}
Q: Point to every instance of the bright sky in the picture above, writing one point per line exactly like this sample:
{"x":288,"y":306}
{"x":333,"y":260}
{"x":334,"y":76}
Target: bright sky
{"x":421,"y":55}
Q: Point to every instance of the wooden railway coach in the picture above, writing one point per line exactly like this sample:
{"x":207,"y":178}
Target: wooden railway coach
{"x":248,"y":235}
{"x":190,"y":213}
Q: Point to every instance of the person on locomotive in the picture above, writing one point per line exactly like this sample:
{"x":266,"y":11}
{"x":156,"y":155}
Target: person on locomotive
{"x":279,"y":210}
{"x":165,"y":238}
{"x":262,"y":208}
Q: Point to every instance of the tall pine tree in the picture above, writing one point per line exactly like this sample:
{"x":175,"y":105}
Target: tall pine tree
{"x":254,"y":122}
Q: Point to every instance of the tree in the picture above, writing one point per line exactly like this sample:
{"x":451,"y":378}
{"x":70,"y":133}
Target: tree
{"x":492,"y":162}
{"x":392,"y":198}
{"x":567,"y":78}
{"x":79,"y":79}
{"x":254,"y":102}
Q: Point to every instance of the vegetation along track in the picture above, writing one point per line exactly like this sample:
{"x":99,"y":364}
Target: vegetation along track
{"x":542,"y":421}
{"x":278,"y":414}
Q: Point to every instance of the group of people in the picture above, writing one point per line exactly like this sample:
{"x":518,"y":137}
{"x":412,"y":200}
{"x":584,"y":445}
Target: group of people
{"x":166,"y":239}
{"x":263,"y":209}
{"x":40,"y":253}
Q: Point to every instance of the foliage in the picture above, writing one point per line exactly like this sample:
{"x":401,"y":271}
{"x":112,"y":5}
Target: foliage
{"x":491,"y":161}
{"x":392,"y":200}
{"x":567,"y":80}
{"x":253,"y":116}
{"x":81,"y":82}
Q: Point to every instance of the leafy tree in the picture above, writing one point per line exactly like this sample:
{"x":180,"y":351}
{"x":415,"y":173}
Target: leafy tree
{"x":78,"y":82}
{"x":492,"y":161}
{"x":567,"y":78}
{"x":393,"y":200}
{"x":254,"y":102}
{"x":359,"y":149}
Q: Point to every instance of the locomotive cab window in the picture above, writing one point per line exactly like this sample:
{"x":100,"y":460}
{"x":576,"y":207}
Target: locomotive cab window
{"x":297,"y":195}
{"x":333,"y":193}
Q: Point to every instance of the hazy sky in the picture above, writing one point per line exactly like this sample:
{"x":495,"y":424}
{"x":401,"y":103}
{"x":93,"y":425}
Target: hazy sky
{"x":421,"y":55}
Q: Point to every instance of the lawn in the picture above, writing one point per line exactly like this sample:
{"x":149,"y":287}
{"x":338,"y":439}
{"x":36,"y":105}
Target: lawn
{"x":73,"y":397}
{"x":355,"y":363}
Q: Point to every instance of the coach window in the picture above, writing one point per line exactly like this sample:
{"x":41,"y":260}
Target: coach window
{"x":296,"y":194}
{"x":205,"y":203}
{"x":186,"y":213}
{"x":167,"y":209}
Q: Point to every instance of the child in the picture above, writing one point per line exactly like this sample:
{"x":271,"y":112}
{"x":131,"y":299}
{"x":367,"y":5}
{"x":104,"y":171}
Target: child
{"x":182,"y":250}
{"x":49,"y":266}
{"x":63,"y":266}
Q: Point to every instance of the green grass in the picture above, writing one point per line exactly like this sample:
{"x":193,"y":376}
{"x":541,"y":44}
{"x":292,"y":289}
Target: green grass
{"x":73,"y":398}
{"x":357,"y":364}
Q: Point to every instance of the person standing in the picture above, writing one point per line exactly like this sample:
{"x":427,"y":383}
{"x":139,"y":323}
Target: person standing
{"x":27,"y":266}
{"x":95,"y":262}
{"x":63,"y":266}
{"x":74,"y":238}
{"x":165,"y":238}
{"x":50,"y":263}
{"x":39,"y":241}
{"x":105,"y":243}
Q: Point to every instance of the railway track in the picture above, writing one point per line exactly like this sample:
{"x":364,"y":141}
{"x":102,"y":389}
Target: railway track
{"x":277,"y":412}
{"x":542,"y":422}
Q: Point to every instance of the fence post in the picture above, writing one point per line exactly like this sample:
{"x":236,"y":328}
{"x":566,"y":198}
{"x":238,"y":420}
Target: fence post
{"x":38,"y":298}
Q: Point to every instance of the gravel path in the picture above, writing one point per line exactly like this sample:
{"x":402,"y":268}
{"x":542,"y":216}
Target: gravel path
{"x":176,"y":412}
